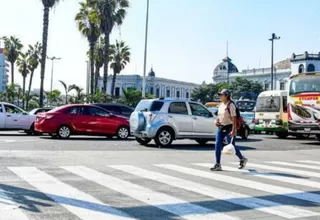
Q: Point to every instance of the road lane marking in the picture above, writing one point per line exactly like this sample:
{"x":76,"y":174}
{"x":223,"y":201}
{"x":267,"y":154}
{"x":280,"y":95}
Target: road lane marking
{"x":295,"y":165}
{"x":221,"y":194}
{"x":83,"y":205}
{"x":297,"y":194}
{"x":9,"y":210}
{"x":309,"y":161}
{"x":160,"y":200}
{"x":274,"y":176}
{"x":285,"y":170}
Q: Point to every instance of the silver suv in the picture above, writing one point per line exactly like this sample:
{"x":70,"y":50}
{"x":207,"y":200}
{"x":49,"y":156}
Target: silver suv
{"x":165,"y":120}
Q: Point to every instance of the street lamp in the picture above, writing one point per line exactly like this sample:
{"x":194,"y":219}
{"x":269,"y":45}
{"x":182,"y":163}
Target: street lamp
{"x":145,"y":53}
{"x":272,"y":39}
{"x":52,"y":59}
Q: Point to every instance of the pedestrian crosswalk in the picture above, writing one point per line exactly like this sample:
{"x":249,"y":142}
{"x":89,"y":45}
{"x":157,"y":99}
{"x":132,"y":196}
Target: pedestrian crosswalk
{"x":268,"y":189}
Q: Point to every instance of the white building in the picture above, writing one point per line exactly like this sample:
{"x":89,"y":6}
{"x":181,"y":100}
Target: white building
{"x":157,"y":86}
{"x":3,"y":72}
{"x":282,"y":70}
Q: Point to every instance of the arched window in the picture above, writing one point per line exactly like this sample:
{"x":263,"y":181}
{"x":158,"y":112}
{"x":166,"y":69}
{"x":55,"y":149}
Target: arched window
{"x":301,"y":68}
{"x":310,"y":68}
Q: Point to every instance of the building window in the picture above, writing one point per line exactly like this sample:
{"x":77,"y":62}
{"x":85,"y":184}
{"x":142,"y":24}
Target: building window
{"x":282,"y":86}
{"x":178,"y":94}
{"x":187,"y":95}
{"x":157,"y":92}
{"x":310,"y":68}
{"x":168,"y":93}
{"x":117,"y":92}
{"x":151,"y":90}
{"x":301,"y":68}
{"x":266,"y":86}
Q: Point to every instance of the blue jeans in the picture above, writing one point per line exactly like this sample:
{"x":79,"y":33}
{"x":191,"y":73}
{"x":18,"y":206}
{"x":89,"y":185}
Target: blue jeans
{"x":221,"y":134}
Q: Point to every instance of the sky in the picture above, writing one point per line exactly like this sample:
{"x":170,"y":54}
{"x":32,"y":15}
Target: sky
{"x":186,"y":39}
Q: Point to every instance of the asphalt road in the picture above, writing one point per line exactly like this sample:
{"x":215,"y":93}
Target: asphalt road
{"x":94,"y":178}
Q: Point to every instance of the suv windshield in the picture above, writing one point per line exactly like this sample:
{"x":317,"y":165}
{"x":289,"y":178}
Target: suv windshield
{"x":149,"y":105}
{"x":305,"y":84}
{"x":268,"y":104}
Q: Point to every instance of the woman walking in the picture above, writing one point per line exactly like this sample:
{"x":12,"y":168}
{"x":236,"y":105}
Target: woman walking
{"x":227,"y":127}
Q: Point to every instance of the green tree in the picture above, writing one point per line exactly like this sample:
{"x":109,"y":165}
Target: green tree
{"x":53,"y":97}
{"x":67,"y":89}
{"x":242,"y":85}
{"x":22,"y":63}
{"x":98,"y":61}
{"x":120,"y":57}
{"x":109,"y":13}
{"x":207,"y":92}
{"x":88,"y":26}
{"x":100,"y":97}
{"x":47,"y":5}
{"x":13,"y":47}
{"x":33,"y":53}
{"x":79,"y":97}
{"x":132,"y":96}
{"x":10,"y":94}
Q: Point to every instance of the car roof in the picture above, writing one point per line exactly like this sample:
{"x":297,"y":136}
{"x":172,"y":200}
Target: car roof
{"x":110,"y":104}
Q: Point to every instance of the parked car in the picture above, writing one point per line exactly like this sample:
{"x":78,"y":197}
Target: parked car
{"x":82,"y":119}
{"x":248,"y":117}
{"x":39,"y":110}
{"x":117,"y":109}
{"x":14,"y":118}
{"x":165,"y":120}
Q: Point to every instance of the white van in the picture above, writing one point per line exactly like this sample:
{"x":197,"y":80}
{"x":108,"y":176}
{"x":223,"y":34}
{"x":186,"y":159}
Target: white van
{"x":271,"y":112}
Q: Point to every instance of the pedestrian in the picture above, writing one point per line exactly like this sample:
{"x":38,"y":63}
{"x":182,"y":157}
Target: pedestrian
{"x":227,"y":127}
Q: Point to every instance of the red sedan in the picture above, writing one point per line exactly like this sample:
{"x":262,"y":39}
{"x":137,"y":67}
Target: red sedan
{"x":81,"y":120}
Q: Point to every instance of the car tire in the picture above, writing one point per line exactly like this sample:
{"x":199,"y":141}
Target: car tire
{"x":64,"y":132}
{"x":245,"y":134}
{"x":202,"y":141}
{"x":164,"y":137}
{"x":143,"y":141}
{"x":282,"y":135}
{"x":123,"y":133}
{"x":31,"y":131}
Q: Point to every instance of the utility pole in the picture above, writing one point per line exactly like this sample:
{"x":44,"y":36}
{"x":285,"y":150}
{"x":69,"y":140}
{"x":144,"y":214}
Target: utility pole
{"x":145,"y":54}
{"x":272,"y":39}
{"x":52,"y":61}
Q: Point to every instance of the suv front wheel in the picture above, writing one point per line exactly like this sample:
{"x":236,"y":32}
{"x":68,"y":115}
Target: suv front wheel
{"x":164,"y":137}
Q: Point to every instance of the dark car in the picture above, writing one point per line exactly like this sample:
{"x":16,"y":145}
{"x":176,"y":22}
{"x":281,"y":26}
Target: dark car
{"x":39,"y":110}
{"x":117,"y":109}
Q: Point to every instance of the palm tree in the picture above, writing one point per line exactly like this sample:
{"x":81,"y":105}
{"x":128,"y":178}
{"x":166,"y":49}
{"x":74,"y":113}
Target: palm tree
{"x":47,"y":4}
{"x":79,"y":97}
{"x":120,"y":56}
{"x":88,"y":26}
{"x":22,"y":63}
{"x":54,"y":97}
{"x":33,"y":63}
{"x":98,"y":61}
{"x":67,"y":89}
{"x":110,"y":13}
{"x":13,"y":47}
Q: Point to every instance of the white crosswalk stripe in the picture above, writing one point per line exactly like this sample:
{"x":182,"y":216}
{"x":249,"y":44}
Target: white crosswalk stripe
{"x":295,"y":165}
{"x":132,"y":182}
{"x":232,"y":197}
{"x":79,"y":203}
{"x":162,"y":201}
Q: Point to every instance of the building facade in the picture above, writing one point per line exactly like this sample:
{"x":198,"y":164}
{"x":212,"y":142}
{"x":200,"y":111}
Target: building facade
{"x":3,"y":72}
{"x":157,"y":86}
{"x":298,"y":63}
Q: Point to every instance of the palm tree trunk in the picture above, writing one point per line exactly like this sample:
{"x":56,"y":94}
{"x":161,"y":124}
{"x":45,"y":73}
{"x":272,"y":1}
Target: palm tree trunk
{"x":29,"y":89}
{"x":23,"y":91}
{"x":44,"y":50}
{"x":12,"y":73}
{"x":92,"y":68}
{"x":96,"y":78}
{"x":113,"y":83}
{"x":66,"y":97}
{"x":106,"y":62}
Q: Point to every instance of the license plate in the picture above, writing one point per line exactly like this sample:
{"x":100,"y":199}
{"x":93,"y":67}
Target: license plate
{"x":307,"y":129}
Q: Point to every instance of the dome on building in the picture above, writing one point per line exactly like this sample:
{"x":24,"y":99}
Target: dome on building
{"x":225,"y":67}
{"x":284,"y":64}
{"x":152,"y":73}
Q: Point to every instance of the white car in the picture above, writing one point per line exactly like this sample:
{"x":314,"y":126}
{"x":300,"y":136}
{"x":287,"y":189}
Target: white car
{"x":14,"y":118}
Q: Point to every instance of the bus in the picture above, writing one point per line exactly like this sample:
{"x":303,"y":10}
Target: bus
{"x":304,"y":104}
{"x":271,"y":113}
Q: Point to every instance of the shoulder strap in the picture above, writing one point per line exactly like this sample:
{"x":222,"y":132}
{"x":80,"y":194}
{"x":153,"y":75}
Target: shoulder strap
{"x":228,"y":106}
